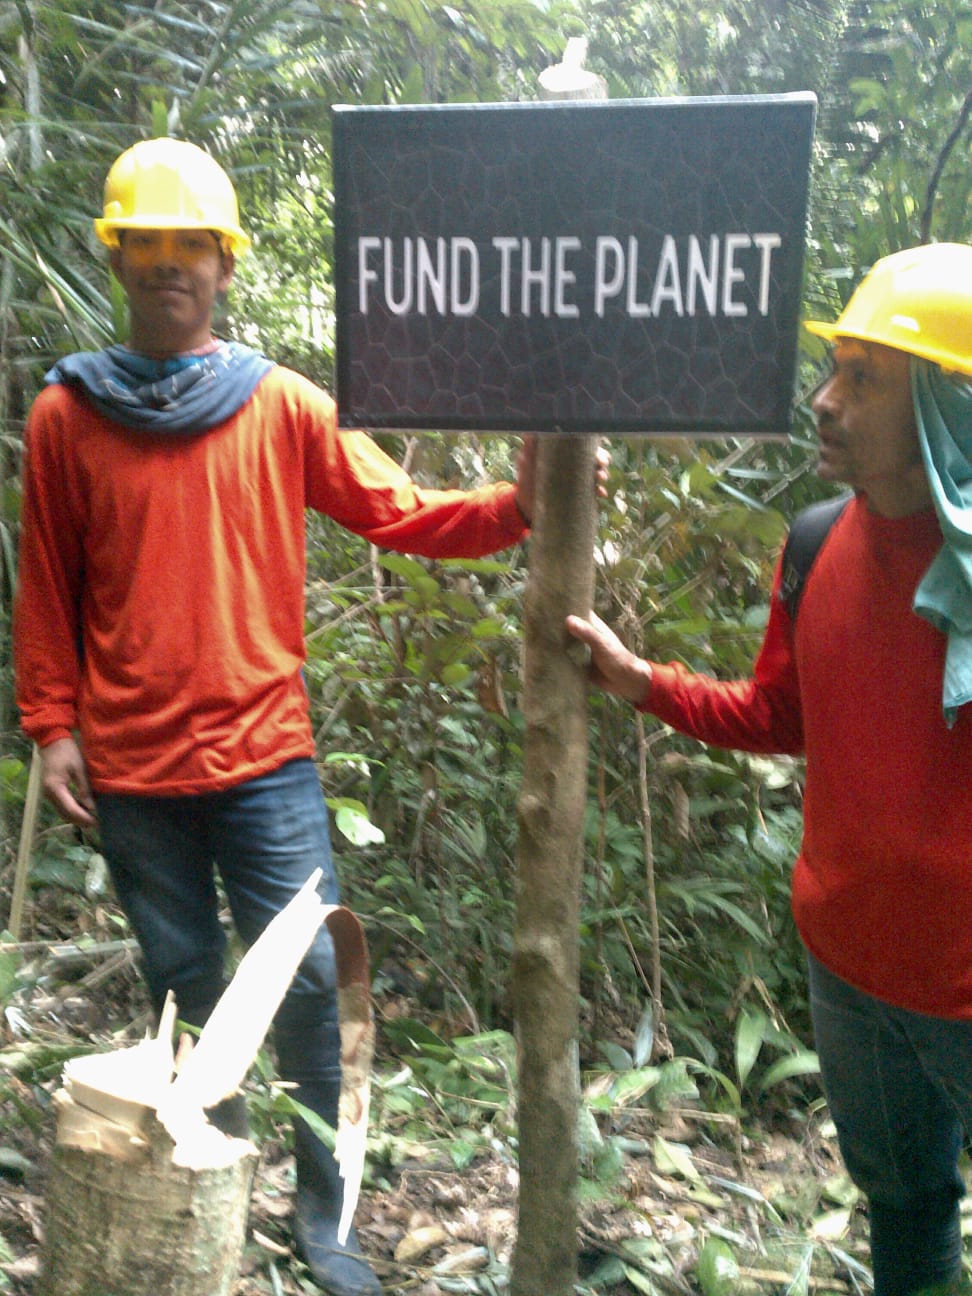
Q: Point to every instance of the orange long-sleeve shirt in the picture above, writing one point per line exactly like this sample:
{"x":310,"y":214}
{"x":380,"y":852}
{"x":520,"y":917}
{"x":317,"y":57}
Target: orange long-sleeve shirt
{"x":882,"y":888}
{"x":160,"y":603}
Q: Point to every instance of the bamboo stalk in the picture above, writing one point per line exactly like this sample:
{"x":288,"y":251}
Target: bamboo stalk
{"x":28,"y":831}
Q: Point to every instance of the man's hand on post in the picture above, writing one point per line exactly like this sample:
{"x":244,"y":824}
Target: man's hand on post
{"x":613,"y":667}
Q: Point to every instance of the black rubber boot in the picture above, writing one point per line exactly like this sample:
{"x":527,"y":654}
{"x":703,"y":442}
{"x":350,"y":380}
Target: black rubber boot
{"x":337,"y":1270}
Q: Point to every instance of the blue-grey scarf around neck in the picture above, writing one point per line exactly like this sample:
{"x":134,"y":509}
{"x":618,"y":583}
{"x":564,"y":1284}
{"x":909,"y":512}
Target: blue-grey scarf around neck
{"x":182,"y":396}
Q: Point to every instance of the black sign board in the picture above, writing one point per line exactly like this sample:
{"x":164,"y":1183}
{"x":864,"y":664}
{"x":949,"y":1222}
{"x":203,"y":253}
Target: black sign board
{"x":631,"y":266}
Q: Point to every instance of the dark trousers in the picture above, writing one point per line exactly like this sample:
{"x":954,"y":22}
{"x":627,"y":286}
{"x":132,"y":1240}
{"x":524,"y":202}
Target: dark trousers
{"x":899,"y":1087}
{"x":265,"y":837}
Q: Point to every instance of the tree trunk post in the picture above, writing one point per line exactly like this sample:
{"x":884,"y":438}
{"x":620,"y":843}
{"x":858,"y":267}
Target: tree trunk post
{"x":550,"y":850}
{"x":549,"y":864}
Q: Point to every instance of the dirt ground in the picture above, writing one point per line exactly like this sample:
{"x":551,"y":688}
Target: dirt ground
{"x":431,"y":1229}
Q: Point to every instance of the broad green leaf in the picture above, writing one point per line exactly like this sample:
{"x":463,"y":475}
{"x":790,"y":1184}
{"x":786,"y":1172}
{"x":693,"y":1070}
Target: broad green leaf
{"x":480,"y":566}
{"x":631,"y":1085}
{"x":608,"y":1162}
{"x":717,"y":1269}
{"x":674,"y":1159}
{"x":590,"y":1141}
{"x":401,"y":565}
{"x":352,"y":759}
{"x":422,"y":591}
{"x":352,"y":822}
{"x":606,"y":1274}
{"x":10,"y":962}
{"x":750,"y":1033}
{"x":642,"y":1250}
{"x":460,"y":605}
{"x":412,"y":919}
{"x":618,"y":1058}
{"x":705,"y":1197}
{"x":674,"y":1085}
{"x":455,"y":673}
{"x":721,"y":1079}
{"x":795,"y":1064}
{"x":640,"y":1281}
{"x":840,"y":1188}
{"x":285,"y":1105}
{"x":462,"y":1152}
{"x":487,"y":628}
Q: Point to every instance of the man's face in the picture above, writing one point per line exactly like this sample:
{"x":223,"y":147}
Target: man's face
{"x":866,"y":420}
{"x":171,"y":279}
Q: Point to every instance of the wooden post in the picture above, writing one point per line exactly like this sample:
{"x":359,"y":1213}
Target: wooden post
{"x":550,"y":850}
{"x":549,"y":860}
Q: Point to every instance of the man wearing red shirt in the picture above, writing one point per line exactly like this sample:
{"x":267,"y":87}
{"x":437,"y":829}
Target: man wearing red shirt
{"x":870,"y":680}
{"x":159,"y":630}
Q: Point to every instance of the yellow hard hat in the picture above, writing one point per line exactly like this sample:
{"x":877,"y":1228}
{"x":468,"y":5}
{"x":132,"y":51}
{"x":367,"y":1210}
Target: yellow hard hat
{"x":170,"y":184}
{"x":919,"y":301}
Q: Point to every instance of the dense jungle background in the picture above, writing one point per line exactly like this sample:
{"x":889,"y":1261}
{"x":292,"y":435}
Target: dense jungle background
{"x":708,"y":1162}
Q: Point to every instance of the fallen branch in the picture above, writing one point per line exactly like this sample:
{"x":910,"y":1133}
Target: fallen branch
{"x":779,"y":1277}
{"x":68,"y":949}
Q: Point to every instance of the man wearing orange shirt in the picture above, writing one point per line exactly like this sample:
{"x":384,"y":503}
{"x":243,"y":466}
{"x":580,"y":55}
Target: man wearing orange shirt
{"x":160,"y":621}
{"x":870,"y":675}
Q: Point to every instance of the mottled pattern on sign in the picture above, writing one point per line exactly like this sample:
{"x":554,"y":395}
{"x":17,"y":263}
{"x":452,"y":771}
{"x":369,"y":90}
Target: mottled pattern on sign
{"x":631,"y":266}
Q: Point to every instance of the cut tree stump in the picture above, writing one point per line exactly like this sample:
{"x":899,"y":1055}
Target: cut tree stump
{"x":145,"y":1197}
{"x":140,"y":1225}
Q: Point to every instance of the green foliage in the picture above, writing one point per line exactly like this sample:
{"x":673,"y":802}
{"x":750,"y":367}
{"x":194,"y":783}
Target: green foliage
{"x":903,"y":80}
{"x":458,"y":1095}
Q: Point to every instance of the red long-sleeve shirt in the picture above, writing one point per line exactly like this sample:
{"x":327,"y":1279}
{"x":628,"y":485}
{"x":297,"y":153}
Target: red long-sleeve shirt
{"x":160,"y":604}
{"x":882,"y":888}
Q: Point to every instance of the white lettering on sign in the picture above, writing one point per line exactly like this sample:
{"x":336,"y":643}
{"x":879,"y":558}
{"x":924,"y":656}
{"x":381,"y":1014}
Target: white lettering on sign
{"x":447,"y":272}
{"x":719,"y":275}
{"x":543,"y":268}
{"x":684,"y":284}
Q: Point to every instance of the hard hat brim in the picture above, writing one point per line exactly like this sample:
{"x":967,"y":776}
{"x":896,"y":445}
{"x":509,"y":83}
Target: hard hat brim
{"x":946,"y":359}
{"x":108,"y":230}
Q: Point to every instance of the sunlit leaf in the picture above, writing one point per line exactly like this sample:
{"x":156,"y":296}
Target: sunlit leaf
{"x":673,"y":1158}
{"x":750,"y":1033}
{"x":353,"y":822}
{"x":831,"y":1225}
{"x":717,"y":1269}
{"x":794,"y":1064}
{"x":840,"y":1188}
{"x":629,"y":1086}
{"x":674,"y":1085}
{"x":644,"y":1037}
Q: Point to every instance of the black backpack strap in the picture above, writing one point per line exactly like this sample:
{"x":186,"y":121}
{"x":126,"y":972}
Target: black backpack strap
{"x":807,"y":534}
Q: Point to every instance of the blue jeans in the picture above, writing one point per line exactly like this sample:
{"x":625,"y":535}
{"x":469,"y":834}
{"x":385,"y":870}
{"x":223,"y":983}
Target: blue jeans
{"x":899,"y":1087}
{"x":265,"y":837}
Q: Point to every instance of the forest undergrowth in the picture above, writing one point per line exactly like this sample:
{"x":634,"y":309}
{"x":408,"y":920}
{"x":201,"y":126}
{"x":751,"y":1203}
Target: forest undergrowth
{"x":687,"y":1187}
